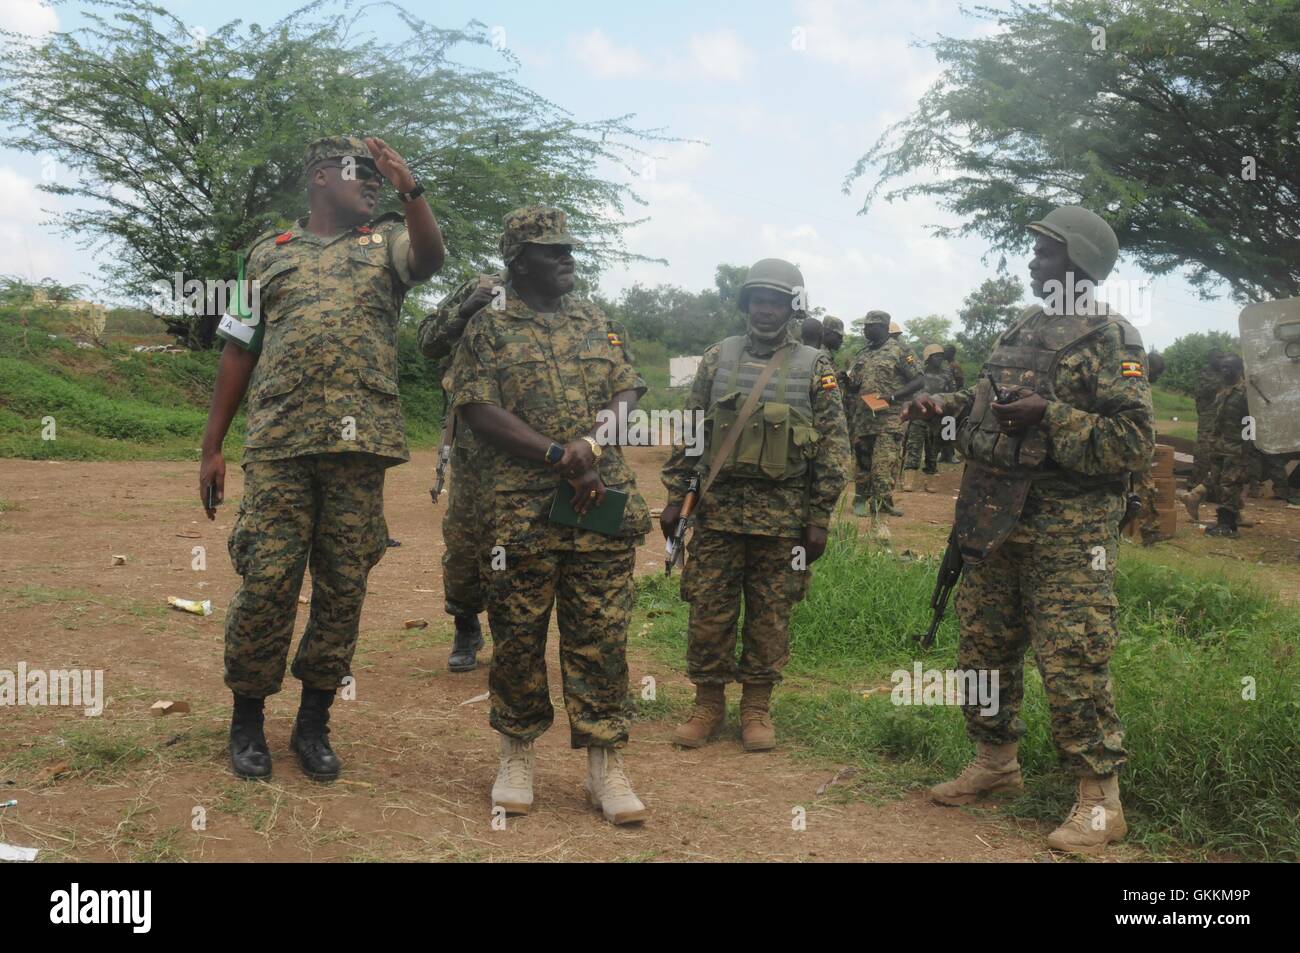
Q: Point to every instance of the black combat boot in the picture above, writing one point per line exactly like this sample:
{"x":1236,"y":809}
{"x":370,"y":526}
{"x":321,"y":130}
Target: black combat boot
{"x":249,"y":756}
{"x":1226,"y":526}
{"x":469,"y":639}
{"x":310,"y":738}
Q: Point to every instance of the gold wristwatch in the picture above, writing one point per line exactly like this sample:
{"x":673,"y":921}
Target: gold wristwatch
{"x":596,"y":451}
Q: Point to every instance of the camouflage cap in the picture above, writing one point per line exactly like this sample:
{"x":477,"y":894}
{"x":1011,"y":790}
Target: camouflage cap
{"x":335,"y":147}
{"x":876,"y":317}
{"x":831,"y":323}
{"x":535,"y":224}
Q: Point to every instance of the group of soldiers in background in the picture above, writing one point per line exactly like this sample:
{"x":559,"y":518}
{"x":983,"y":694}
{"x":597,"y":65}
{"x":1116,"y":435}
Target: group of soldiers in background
{"x":1060,"y":417}
{"x":1228,"y":463}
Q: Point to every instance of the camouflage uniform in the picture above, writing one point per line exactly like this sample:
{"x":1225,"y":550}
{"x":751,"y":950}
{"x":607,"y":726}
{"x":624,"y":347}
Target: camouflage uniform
{"x":1208,"y":384}
{"x":324,"y":422}
{"x":878,"y":437}
{"x":746,"y":530}
{"x":462,"y":589}
{"x":1268,"y":468}
{"x":1229,"y":454}
{"x":926,"y":435}
{"x":1049,"y":528}
{"x":554,"y":372}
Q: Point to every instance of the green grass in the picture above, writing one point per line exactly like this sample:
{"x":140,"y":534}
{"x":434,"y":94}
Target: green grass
{"x":112,"y":403}
{"x":1208,"y":771}
{"x":1169,"y":404}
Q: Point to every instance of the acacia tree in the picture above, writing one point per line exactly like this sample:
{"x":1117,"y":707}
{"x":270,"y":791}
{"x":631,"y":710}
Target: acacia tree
{"x":986,"y":313}
{"x":1174,"y":119}
{"x":182,"y":146}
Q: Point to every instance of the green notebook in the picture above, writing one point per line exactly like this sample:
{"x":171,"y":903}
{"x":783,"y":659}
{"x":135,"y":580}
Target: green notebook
{"x":606,"y":518}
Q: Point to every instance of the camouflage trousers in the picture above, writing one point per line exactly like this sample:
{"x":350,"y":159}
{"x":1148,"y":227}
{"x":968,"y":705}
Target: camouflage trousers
{"x":922,"y":437}
{"x":1204,"y":449}
{"x":721,"y":568}
{"x":1048,"y":595}
{"x":1225,"y":484}
{"x":462,"y":532}
{"x":877,"y":457}
{"x":592,"y":593}
{"x":326,"y":509}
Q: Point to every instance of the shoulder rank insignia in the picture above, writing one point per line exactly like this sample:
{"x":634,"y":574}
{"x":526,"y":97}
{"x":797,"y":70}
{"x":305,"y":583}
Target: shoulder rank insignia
{"x":284,"y":238}
{"x":828,"y":382}
{"x":1130,"y":368}
{"x":614,"y":339}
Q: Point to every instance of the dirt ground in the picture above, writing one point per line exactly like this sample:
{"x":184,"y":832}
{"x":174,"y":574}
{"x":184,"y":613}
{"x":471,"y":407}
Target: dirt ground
{"x":419,"y":754}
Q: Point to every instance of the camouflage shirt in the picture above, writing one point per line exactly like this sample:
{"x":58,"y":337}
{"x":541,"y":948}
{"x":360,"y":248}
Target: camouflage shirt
{"x":884,"y":370}
{"x":1208,"y":384}
{"x":768,"y":507}
{"x":439,"y":334}
{"x":1227,"y":411}
{"x":554,"y":372}
{"x":1099,"y":423}
{"x":326,"y":376}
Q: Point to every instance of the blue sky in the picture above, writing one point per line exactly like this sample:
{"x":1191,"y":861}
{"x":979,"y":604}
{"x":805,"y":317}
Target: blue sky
{"x":787,"y":94}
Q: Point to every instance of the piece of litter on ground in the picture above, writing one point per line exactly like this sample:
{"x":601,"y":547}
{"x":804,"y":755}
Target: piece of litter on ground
{"x":477,"y":698}
{"x":189,"y":534}
{"x":10,"y":803}
{"x":191,"y":605}
{"x":302,"y":600}
{"x":119,"y":560}
{"x":415,"y":624}
{"x":50,"y":772}
{"x":843,"y":774}
{"x":426,"y":590}
{"x":22,"y":855}
{"x":170,"y":708}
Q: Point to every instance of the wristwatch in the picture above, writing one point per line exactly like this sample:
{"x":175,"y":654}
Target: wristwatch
{"x":596,"y":450}
{"x":554,"y":454}
{"x":412,"y":195}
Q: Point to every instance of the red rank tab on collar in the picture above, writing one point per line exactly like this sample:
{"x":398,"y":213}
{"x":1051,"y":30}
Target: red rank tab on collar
{"x":284,"y":239}
{"x":364,"y":229}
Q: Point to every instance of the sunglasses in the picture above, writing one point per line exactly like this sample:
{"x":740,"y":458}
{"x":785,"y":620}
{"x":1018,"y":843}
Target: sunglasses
{"x":364,"y":170}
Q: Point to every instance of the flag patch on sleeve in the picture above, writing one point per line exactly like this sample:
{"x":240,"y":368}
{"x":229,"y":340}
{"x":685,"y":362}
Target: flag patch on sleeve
{"x":1130,"y":368}
{"x":614,"y":339}
{"x":828,"y":382}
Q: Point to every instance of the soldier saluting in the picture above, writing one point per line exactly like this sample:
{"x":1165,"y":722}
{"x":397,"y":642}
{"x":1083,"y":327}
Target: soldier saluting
{"x":324,"y":423}
{"x":1060,"y":416}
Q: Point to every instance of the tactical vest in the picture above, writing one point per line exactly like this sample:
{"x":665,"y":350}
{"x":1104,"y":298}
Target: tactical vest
{"x":1000,"y":467}
{"x":780,"y":436}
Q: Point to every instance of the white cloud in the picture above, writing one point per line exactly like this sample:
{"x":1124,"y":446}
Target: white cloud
{"x":32,"y":18}
{"x":721,"y":55}
{"x":606,"y":59}
{"x":717,"y":56}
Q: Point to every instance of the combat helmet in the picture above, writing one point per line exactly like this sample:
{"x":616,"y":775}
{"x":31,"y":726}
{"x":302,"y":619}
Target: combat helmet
{"x":771,"y":273}
{"x":1089,"y":241}
{"x":930,"y":350}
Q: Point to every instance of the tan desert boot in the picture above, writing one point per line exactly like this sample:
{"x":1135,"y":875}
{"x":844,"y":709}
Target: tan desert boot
{"x":1192,"y":500}
{"x":994,"y":771}
{"x":609,"y":788}
{"x":756,"y":731}
{"x":513,"y":789}
{"x":706,"y":718}
{"x":927,"y":483}
{"x":909,"y":481}
{"x":1097,"y":818}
